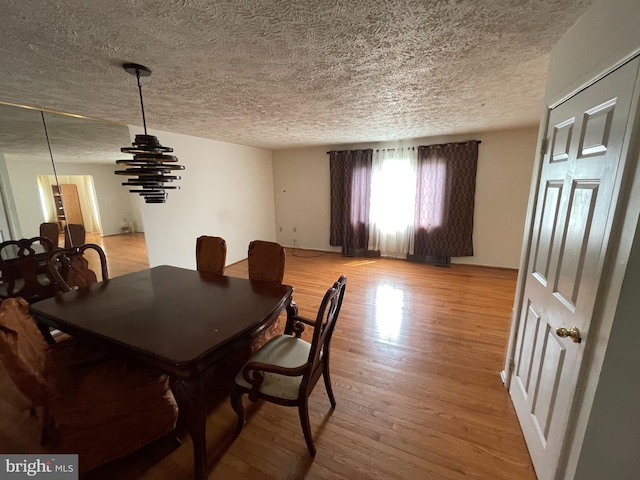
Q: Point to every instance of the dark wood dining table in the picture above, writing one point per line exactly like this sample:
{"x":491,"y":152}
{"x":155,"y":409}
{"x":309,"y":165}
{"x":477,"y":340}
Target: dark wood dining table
{"x":177,"y":320}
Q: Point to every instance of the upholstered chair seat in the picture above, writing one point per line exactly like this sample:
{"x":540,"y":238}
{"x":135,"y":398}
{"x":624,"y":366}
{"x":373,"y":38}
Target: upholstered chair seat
{"x":135,"y":406}
{"x":282,"y":351}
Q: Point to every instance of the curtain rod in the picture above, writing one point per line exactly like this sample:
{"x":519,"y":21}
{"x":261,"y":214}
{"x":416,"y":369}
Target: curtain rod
{"x":377,"y":150}
{"x":383,"y":149}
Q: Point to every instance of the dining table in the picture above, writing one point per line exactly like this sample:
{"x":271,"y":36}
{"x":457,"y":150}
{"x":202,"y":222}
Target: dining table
{"x":178,"y":320}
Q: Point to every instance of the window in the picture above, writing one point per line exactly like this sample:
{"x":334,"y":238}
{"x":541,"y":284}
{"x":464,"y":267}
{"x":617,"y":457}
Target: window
{"x":393,"y":191}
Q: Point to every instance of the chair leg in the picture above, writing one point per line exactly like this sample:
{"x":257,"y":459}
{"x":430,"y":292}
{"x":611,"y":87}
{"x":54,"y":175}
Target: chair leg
{"x":303,"y":411}
{"x":238,"y":407}
{"x":327,"y":384}
{"x":44,"y":434}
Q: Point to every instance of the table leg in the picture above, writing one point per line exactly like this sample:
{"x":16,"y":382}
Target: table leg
{"x":189,"y":394}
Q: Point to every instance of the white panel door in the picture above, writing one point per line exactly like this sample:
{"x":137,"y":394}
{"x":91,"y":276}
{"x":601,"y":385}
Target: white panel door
{"x":578,"y":191}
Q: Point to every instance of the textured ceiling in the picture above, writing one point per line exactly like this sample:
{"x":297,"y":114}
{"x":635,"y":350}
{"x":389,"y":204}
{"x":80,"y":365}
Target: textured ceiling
{"x":23,"y":137}
{"x":282,"y":74}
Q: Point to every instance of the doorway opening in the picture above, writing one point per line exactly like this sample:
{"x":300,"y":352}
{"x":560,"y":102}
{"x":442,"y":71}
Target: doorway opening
{"x":70,"y":200}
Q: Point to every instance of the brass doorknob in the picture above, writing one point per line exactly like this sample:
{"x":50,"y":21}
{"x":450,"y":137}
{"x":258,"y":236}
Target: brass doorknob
{"x":573,"y":332}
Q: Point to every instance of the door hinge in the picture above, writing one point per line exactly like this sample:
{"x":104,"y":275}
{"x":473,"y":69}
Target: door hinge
{"x":543,"y":146}
{"x":512,"y":365}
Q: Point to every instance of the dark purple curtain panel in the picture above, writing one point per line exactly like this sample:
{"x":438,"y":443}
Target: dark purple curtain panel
{"x":350,"y":198}
{"x":445,"y":195}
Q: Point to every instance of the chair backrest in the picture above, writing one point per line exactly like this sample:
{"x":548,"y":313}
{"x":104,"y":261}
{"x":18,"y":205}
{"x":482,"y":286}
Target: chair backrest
{"x":51,"y":230}
{"x":24,"y":268}
{"x":74,"y":235}
{"x":341,"y":285}
{"x":266,"y":261}
{"x":324,"y":326}
{"x":23,"y":351}
{"x":70,"y":269}
{"x":211,"y":254}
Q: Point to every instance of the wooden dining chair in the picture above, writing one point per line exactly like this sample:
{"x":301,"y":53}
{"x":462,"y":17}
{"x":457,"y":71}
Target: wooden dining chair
{"x":70,"y":268}
{"x":211,"y":254}
{"x":74,"y":235}
{"x":97,"y":406}
{"x":286,"y":369}
{"x":266,"y":264}
{"x":266,"y":261}
{"x":51,"y":230}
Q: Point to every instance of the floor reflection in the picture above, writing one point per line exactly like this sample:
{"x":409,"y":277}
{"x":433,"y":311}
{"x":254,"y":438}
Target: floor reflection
{"x":389,"y":305}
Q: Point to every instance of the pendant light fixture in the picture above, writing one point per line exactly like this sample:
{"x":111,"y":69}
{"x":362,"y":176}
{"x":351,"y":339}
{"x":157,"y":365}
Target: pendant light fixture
{"x":151,"y":167}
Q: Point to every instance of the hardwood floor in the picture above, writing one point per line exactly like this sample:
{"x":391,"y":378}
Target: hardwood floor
{"x":125,"y":253}
{"x":415,"y":368}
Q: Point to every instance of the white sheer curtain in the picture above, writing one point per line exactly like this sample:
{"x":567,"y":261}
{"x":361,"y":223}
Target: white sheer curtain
{"x":46,"y":197}
{"x":393,"y":190}
{"x":88,"y":203}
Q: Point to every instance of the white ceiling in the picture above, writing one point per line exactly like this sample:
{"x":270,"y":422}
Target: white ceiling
{"x":283,"y":74}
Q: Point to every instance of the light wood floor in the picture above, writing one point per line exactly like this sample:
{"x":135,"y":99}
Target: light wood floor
{"x":415,"y":367}
{"x":125,"y":253}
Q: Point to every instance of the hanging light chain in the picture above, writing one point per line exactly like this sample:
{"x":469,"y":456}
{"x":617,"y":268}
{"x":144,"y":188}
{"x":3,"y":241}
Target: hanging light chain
{"x":144,"y":120}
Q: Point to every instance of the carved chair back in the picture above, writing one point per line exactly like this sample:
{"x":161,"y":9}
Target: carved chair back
{"x":24,"y":268}
{"x":323,"y":331}
{"x":70,"y":269}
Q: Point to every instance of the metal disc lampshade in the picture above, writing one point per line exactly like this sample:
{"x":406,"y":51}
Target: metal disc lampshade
{"x":151,"y":167}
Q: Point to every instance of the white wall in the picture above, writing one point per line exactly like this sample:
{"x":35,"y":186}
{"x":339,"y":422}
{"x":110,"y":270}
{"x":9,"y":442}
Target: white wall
{"x":9,"y":225}
{"x":606,"y":34}
{"x":302,"y":199}
{"x":112,"y":202}
{"x":505,"y":162}
{"x":135,"y":205}
{"x":226,"y":190}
